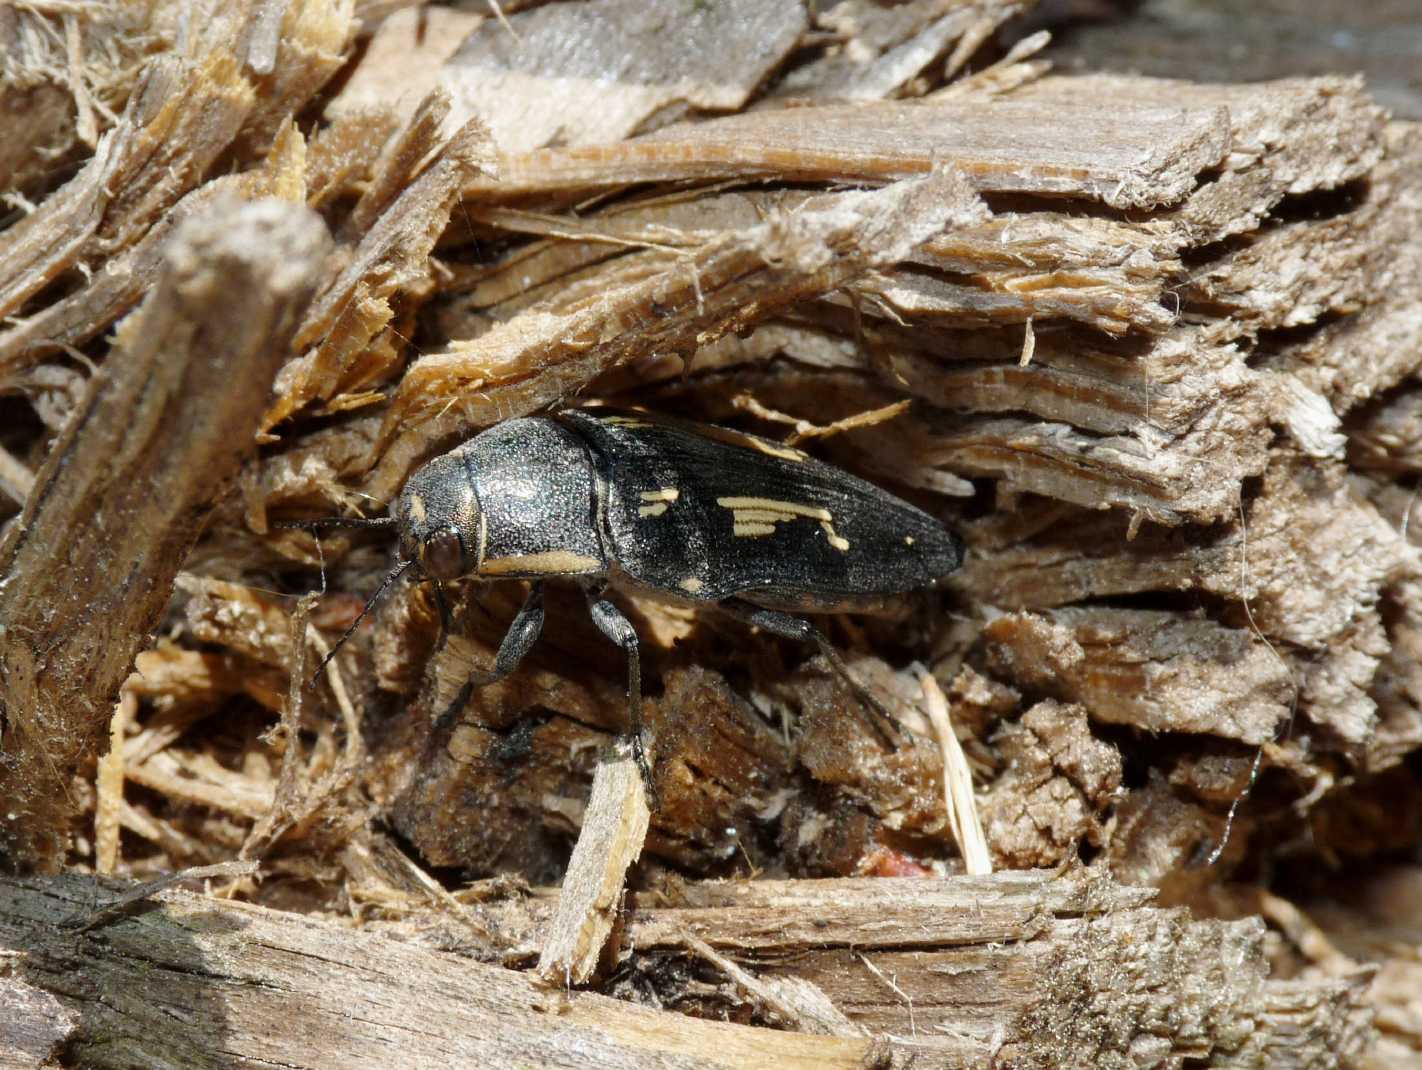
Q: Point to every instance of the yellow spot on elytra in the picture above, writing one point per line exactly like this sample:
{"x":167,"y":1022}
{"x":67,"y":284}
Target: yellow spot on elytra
{"x":691,"y":585}
{"x":758,"y":516}
{"x":772,"y":505}
{"x":838,"y":541}
{"x":660,"y":499}
{"x":417,"y":509}
{"x":908,"y":540}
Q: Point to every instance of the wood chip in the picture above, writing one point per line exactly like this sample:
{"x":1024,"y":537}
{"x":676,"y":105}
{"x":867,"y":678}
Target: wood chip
{"x":578,"y":75}
{"x":614,"y":827}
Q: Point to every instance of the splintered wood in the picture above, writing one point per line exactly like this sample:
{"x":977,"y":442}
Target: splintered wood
{"x":1152,"y":347}
{"x":614,"y":828}
{"x":148,"y":455}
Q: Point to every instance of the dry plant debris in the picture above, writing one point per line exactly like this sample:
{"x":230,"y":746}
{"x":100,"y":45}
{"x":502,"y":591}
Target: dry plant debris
{"x":1151,"y":346}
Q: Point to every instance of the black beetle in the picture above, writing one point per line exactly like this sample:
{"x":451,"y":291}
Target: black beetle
{"x":682,"y":511}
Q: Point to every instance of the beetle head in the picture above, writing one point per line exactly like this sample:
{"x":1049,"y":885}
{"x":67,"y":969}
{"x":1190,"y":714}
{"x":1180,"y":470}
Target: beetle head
{"x":439,"y":520}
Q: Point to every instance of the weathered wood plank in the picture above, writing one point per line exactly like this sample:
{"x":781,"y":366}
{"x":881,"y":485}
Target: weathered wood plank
{"x":1033,"y":969}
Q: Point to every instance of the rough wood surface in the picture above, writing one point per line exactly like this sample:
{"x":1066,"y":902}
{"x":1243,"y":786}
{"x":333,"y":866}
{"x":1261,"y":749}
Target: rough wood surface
{"x":87,"y":569}
{"x":1032,"y":970}
{"x":1149,"y":158}
{"x":1153,"y":353}
{"x":583,"y":76}
{"x":193,"y":982}
{"x":668,"y":305}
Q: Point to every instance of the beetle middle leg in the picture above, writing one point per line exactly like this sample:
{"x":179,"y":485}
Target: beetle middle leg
{"x":615,"y":626}
{"x":527,"y":626}
{"x":885,"y":726}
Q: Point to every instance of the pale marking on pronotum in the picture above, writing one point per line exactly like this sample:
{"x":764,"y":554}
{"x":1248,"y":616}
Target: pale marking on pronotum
{"x":751,"y":517}
{"x":550,"y":562}
{"x":483,"y":539}
{"x":417,"y":509}
{"x":660,"y":499}
{"x":691,"y":585}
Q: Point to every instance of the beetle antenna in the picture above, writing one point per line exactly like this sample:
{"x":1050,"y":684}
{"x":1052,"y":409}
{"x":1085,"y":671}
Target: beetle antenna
{"x":338,"y":522}
{"x":390,"y":577}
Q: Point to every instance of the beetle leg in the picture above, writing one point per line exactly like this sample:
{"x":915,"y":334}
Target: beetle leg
{"x":615,"y":626}
{"x":527,"y":626}
{"x":885,"y":726}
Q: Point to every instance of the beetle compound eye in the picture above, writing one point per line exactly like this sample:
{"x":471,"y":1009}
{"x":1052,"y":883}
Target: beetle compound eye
{"x":442,"y":554}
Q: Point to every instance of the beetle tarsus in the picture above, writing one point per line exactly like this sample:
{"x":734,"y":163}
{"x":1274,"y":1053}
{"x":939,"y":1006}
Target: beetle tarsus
{"x":615,"y":626}
{"x":881,"y":722}
{"x":445,"y":719}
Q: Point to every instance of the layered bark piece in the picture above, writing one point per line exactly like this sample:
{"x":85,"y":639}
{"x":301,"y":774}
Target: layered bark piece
{"x":1186,"y":418}
{"x":1153,"y":160}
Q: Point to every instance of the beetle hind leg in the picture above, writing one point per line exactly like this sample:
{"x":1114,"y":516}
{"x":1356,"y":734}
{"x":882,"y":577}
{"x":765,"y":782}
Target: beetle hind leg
{"x":618,"y":628}
{"x":883,"y":724}
{"x":527,"y":626}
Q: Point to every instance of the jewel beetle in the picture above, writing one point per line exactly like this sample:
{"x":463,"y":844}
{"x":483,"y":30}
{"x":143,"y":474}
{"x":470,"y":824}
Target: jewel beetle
{"x":693,"y":513}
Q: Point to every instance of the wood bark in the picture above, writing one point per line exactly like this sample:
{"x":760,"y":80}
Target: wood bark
{"x":1151,"y":346}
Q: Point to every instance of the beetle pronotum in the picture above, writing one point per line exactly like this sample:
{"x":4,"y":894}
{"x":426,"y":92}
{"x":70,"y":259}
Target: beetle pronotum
{"x":688,"y":512}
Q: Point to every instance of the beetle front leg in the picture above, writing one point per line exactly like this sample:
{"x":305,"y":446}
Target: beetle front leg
{"x":788,"y":627}
{"x":527,"y":626}
{"x":615,"y":626}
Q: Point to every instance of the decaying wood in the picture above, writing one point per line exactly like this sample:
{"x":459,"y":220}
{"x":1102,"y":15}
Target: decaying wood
{"x":389,"y":265}
{"x":294,"y":989}
{"x":1043,"y":970}
{"x":892,"y":141}
{"x":89,"y":566}
{"x":1150,"y":346}
{"x":871,"y":51}
{"x":65,"y":74}
{"x":183,"y":112}
{"x":668,"y":305}
{"x":136,"y":170}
